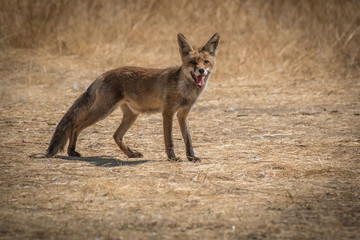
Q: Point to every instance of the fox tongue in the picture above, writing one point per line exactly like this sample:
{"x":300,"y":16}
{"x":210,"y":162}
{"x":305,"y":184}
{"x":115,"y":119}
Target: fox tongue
{"x":200,"y":80}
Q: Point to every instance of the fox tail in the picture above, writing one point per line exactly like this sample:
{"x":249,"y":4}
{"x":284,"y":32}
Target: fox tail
{"x":68,"y":123}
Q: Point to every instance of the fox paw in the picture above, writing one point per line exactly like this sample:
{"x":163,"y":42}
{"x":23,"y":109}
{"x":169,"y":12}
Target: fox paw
{"x":194,"y":159}
{"x":74,"y":154}
{"x":135,"y":154}
{"x":175,"y":159}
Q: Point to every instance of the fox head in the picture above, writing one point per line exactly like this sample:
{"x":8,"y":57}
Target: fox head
{"x":198,"y":62}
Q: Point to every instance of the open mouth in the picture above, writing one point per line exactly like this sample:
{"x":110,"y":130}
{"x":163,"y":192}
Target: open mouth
{"x":200,"y":79}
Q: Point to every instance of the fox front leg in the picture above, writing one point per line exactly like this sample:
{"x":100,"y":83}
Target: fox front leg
{"x":181,"y":115}
{"x":169,"y":144}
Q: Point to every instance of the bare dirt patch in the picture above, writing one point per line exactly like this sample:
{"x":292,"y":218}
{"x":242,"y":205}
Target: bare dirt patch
{"x":272,"y":167}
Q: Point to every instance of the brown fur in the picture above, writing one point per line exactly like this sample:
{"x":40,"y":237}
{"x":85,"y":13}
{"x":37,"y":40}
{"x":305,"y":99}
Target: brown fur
{"x":140,"y":90}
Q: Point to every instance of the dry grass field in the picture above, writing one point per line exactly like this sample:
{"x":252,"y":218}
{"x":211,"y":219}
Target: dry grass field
{"x":278,"y":128}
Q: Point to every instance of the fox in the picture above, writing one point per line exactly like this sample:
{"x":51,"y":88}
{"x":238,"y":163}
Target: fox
{"x":170,"y":91}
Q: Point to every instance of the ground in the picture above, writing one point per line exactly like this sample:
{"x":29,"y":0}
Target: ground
{"x":280,"y":160}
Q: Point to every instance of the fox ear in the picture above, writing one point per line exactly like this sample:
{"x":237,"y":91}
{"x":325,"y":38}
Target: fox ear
{"x":185,"y":46}
{"x":212,"y":44}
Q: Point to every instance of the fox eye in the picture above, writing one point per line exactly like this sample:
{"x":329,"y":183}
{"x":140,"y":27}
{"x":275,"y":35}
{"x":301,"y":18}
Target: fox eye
{"x":206,"y":61}
{"x":193,"y":62}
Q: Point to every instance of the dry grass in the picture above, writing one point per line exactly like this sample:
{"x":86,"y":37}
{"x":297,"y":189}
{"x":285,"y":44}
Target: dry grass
{"x":277,"y":129}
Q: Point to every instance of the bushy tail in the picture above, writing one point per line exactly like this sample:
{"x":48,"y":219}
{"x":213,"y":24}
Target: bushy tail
{"x":67,"y":123}
{"x":59,"y":139}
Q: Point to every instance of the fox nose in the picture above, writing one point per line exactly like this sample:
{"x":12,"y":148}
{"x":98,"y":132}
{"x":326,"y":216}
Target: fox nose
{"x":201,"y":71}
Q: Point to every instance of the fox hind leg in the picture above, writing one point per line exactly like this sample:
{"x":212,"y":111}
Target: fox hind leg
{"x":129,"y":118}
{"x":92,"y":116}
{"x":72,"y":144}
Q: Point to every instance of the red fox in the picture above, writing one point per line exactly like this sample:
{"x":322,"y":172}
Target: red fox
{"x":142,"y":90}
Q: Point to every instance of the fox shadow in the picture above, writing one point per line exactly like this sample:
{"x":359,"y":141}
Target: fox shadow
{"x":104,"y":161}
{"x":99,"y":161}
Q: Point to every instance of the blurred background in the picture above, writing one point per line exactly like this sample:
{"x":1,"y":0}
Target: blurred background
{"x":275,"y":39}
